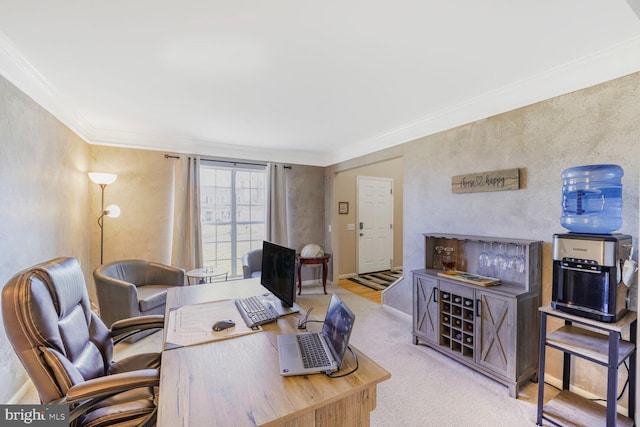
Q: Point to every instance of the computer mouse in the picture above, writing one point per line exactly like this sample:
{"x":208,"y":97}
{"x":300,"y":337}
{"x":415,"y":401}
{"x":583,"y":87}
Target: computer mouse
{"x":221,"y":325}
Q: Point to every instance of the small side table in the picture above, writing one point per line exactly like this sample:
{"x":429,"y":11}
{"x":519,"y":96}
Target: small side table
{"x":324,"y":260}
{"x":205,"y":275}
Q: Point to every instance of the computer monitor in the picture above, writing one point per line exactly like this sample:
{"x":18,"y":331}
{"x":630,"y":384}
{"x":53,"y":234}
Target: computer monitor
{"x":279,"y":272}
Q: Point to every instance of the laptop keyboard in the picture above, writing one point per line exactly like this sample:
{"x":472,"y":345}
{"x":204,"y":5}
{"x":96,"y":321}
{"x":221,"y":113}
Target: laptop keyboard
{"x":254,"y":311}
{"x":313,"y":354}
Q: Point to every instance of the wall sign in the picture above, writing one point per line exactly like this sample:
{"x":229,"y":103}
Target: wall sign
{"x":507,"y":179}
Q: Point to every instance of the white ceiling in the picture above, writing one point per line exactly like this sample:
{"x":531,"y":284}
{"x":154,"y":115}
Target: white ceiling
{"x":311,"y":82}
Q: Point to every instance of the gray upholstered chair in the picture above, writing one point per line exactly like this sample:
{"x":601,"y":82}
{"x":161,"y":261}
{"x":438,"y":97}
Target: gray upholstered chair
{"x":132,"y":288}
{"x":252,"y":264}
{"x":67,"y":350}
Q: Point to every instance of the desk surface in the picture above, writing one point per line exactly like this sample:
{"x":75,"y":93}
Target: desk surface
{"x":237,"y":381}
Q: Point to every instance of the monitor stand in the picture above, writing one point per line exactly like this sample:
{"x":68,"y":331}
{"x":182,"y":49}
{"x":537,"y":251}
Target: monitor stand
{"x":282,"y":309}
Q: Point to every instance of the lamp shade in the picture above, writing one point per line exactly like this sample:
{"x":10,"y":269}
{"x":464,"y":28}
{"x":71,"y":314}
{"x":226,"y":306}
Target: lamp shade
{"x":102,"y":178}
{"x":112,"y":211}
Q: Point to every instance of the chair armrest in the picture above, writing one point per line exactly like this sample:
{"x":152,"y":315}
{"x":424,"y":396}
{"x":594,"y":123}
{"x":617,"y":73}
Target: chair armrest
{"x":124,"y":328}
{"x":112,"y":384}
{"x":118,"y":299}
{"x":88,"y":394}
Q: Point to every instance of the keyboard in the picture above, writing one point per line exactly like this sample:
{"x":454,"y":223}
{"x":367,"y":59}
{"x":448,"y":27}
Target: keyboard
{"x":255,"y":312}
{"x":313,"y":354}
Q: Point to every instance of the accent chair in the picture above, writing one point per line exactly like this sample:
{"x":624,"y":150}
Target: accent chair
{"x":131,"y":288}
{"x":252,"y":264}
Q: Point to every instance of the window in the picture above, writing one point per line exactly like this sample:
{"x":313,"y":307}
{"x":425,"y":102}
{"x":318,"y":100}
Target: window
{"x":233,"y":213}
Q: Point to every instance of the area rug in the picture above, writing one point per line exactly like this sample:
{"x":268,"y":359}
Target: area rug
{"x":379,"y":280}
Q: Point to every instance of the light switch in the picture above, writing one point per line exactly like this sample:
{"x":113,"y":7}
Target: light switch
{"x":351,"y":227}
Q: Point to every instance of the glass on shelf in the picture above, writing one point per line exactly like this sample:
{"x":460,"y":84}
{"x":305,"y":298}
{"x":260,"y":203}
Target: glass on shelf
{"x":437,"y":258}
{"x":449,"y":259}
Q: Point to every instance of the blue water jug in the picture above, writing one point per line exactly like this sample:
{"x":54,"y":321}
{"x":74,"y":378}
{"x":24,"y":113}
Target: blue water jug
{"x":592,"y":199}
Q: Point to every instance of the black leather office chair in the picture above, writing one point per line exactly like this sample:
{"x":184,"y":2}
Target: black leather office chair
{"x":67,"y":350}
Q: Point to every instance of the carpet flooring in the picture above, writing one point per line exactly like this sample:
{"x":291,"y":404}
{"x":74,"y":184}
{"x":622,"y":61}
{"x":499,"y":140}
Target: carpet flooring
{"x":379,"y":280}
{"x":426,"y":388}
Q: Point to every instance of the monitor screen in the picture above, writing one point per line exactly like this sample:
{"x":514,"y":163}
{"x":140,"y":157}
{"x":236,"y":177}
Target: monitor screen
{"x":279,"y":272}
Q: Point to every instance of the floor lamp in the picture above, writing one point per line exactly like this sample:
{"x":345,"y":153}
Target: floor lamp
{"x":113,"y":211}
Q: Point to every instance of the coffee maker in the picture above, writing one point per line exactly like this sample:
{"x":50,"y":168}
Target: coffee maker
{"x":587,"y":275}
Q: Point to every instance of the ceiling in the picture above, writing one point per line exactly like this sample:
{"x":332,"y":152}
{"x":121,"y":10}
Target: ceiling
{"x":309,"y":82}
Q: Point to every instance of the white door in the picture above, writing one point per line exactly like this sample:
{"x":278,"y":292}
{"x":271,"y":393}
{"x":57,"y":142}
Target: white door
{"x":375,"y":224}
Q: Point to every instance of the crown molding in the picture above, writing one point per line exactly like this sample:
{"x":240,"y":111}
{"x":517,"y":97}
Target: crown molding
{"x":607,"y":64}
{"x":15,"y":67}
{"x":192,"y":146}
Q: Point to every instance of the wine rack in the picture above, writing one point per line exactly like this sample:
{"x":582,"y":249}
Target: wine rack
{"x":493,"y":329}
{"x":457,"y":323}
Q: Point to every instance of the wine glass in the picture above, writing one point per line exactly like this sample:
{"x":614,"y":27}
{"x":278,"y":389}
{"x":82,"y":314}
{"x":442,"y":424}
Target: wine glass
{"x":501,"y":260}
{"x":492,"y":255}
{"x":512,"y":259}
{"x":483,"y":258}
{"x":521,"y":261}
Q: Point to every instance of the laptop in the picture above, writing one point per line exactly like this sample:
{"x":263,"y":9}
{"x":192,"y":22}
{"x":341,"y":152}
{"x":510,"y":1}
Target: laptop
{"x":314,"y":352}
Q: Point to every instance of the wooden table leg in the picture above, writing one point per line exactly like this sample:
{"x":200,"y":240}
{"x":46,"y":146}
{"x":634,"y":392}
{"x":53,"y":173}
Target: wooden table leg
{"x":325,"y":269}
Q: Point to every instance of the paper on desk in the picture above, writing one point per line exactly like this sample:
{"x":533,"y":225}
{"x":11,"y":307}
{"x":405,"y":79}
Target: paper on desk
{"x":192,"y":324}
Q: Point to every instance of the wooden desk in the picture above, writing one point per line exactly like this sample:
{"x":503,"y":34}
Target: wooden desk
{"x":237,"y":381}
{"x":324,"y":260}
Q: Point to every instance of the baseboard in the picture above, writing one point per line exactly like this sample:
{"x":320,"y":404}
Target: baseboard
{"x":391,"y":286}
{"x":314,"y":282}
{"x":21,"y":393}
{"x":407,"y":316}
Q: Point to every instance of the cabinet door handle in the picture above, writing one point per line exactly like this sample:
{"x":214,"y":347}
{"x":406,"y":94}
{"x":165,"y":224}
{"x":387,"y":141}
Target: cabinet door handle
{"x":435,"y":295}
{"x":478,"y":307}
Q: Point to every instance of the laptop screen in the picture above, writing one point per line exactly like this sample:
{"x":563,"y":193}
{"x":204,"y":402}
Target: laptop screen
{"x":337,"y":326}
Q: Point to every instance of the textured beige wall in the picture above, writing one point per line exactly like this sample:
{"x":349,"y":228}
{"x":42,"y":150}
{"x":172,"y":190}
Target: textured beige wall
{"x":144,"y":193}
{"x":305,"y":190}
{"x":49,"y":203}
{"x":345,"y":190}
{"x":43,"y":188}
{"x":600,"y":124}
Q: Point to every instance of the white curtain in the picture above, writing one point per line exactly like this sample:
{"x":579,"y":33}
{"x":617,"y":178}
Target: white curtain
{"x":186,"y":248}
{"x":277,"y":224}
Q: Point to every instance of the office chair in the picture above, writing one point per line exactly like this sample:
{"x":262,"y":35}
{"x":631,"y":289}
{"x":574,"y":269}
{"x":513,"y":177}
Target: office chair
{"x":67,"y":350}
